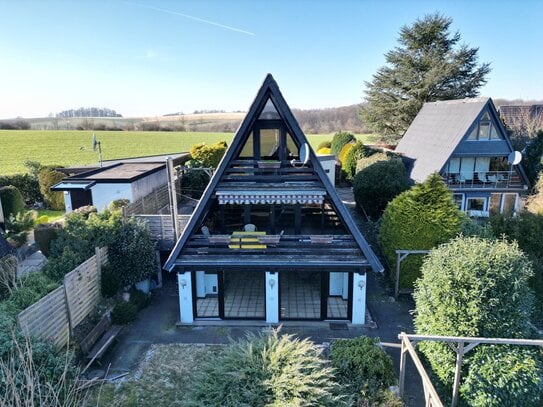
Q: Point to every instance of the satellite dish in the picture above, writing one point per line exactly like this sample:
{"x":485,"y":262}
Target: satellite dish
{"x":514,"y":157}
{"x":304,"y":156}
{"x":304,"y":153}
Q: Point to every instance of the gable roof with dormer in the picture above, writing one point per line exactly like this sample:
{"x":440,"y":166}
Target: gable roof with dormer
{"x":439,"y":128}
{"x":269,"y":91}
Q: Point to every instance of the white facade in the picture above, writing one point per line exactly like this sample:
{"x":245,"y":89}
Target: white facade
{"x":104,"y":193}
{"x":328,"y":163}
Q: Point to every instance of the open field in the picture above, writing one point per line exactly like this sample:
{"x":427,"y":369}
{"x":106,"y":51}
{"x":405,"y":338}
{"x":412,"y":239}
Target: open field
{"x":64,"y":147}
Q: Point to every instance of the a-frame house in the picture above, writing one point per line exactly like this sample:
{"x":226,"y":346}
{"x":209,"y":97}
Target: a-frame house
{"x":270,"y":239}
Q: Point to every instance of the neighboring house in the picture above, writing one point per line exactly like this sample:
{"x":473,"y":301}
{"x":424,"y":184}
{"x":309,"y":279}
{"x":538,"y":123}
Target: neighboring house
{"x":518,"y":115}
{"x":270,"y":239}
{"x":101,"y":186}
{"x":466,"y":142}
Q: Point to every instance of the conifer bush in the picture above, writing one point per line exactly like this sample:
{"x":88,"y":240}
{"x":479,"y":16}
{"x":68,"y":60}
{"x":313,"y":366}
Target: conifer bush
{"x":265,"y":370}
{"x":355,"y":153}
{"x":362,"y":367}
{"x":324,"y":144}
{"x":418,"y":219}
{"x":375,"y":186}
{"x":365,"y":162}
{"x":339,"y":140}
{"x":47,"y":178}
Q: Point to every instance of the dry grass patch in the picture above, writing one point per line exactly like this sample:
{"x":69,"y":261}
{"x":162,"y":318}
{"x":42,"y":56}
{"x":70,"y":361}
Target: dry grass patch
{"x":161,"y":379}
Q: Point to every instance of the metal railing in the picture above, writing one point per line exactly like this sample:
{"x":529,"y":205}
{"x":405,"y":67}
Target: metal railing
{"x":483,"y":179}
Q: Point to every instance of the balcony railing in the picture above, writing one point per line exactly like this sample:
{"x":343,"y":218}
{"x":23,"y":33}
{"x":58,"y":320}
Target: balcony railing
{"x":483,"y":179}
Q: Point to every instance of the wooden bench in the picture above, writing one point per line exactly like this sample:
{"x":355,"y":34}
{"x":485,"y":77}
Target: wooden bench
{"x":99,"y":339}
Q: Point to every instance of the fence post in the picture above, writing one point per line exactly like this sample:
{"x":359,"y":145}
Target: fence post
{"x":403,"y":350}
{"x":159,"y":271}
{"x":457,"y":371}
{"x":68,"y":311}
{"x":98,"y":268}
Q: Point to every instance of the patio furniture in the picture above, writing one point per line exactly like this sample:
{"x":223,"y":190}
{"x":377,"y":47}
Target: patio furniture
{"x":246,"y":240}
{"x":249,"y":227}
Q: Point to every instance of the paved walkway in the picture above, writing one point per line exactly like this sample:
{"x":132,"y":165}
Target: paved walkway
{"x":157,"y":324}
{"x":31,"y":264}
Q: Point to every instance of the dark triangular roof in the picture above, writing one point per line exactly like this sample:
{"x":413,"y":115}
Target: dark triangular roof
{"x":270,"y":91}
{"x":437,"y":130}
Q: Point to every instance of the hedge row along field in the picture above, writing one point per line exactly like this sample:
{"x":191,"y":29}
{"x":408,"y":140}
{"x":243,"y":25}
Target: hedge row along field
{"x":64,"y":147}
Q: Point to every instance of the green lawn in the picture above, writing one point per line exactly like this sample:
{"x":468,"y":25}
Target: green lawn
{"x":67,"y":147}
{"x":52,"y":215}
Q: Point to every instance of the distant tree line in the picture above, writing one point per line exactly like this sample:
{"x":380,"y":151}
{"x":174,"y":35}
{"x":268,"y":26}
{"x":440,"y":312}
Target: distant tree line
{"x":329,"y":120}
{"x":18,"y":124}
{"x":89,"y":112}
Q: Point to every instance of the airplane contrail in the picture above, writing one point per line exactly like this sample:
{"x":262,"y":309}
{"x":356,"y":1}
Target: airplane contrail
{"x":176,"y":13}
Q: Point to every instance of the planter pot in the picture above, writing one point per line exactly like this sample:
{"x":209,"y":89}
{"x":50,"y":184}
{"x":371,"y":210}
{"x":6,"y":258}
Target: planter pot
{"x":144,"y":286}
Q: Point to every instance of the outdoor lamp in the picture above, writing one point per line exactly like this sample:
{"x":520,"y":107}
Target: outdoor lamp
{"x":272,"y":283}
{"x":183,"y":283}
{"x":361,"y":284}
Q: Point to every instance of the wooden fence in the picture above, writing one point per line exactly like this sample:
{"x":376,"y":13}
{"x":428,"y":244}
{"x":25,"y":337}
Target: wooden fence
{"x":48,"y":318}
{"x":156,"y":202}
{"x":55,"y":316}
{"x":161,"y":226}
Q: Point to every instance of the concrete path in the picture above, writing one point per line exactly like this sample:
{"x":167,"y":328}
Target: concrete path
{"x":31,"y":264}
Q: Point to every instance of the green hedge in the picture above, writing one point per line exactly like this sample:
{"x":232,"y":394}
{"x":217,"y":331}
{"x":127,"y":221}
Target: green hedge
{"x":526,"y":229}
{"x":339,"y":140}
{"x":362,"y":366}
{"x":365,"y":162}
{"x":12,"y":201}
{"x":475,"y":287}
{"x":348,"y":165}
{"x":47,"y":178}
{"x":208,"y":156}
{"x":27,"y":184}
{"x":375,"y":186}
{"x":418,"y":219}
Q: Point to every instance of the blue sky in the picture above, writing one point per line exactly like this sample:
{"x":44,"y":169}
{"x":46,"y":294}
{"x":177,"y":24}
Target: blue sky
{"x":155,"y":57}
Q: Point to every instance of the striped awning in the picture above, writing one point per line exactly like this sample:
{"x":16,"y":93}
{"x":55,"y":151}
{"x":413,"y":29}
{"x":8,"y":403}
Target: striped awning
{"x":289,"y":197}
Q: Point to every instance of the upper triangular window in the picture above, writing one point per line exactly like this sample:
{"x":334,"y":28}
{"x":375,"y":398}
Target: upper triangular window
{"x":269,"y":112}
{"x":485,"y":129}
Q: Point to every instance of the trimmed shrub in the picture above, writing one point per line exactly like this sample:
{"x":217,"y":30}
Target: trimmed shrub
{"x":339,"y":140}
{"x":324,"y":151}
{"x":472,"y":287}
{"x":526,"y":229}
{"x":111,"y":283}
{"x":365,"y":162}
{"x":32,"y":288}
{"x":17,"y":227}
{"x":139,"y":298}
{"x":344,"y":151}
{"x":118,"y":204}
{"x":324,"y":144}
{"x":375,"y":186}
{"x":12,"y":201}
{"x":265,"y":370}
{"x":47,"y":178}
{"x":503,"y":376}
{"x":208,"y":156}
{"x":534,"y":202}
{"x":124,"y":313}
{"x":194,"y":182}
{"x":533,"y":158}
{"x":27,"y":184}
{"x":418,"y":219}
{"x":58,"y":266}
{"x":348,"y":165}
{"x":132,"y":253}
{"x":363,"y":367}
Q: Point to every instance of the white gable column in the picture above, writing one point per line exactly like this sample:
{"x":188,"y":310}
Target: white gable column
{"x":184,"y":281}
{"x":67,"y":201}
{"x":359,"y":299}
{"x":272,"y":297}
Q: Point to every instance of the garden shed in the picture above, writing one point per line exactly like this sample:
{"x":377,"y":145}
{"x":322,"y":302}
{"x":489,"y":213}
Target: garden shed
{"x":270,"y":239}
{"x":99,"y":187}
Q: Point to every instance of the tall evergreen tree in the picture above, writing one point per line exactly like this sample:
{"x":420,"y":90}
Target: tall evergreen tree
{"x":429,"y":64}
